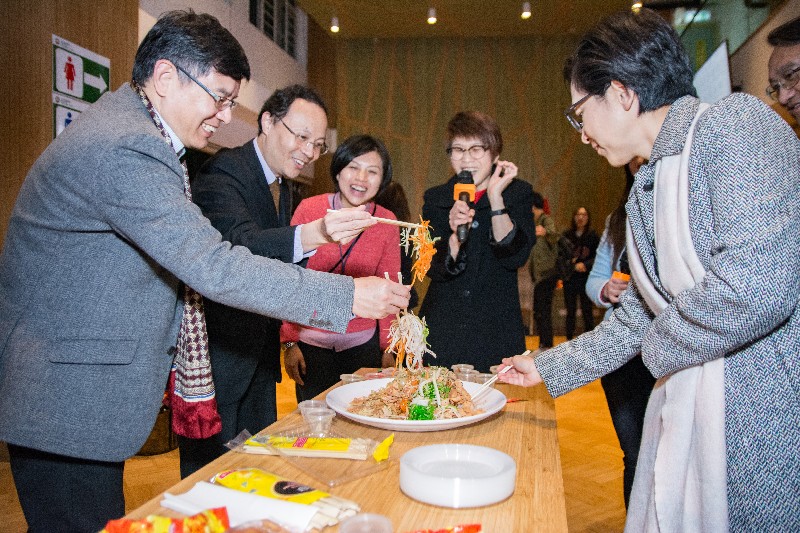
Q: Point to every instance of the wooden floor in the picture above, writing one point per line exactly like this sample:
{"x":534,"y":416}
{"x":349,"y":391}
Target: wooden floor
{"x":590,"y":458}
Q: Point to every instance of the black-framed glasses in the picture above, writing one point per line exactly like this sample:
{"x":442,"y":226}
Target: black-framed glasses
{"x":222,"y":102}
{"x":787,"y":82}
{"x":318,"y":147}
{"x":456,"y":153}
{"x":576,"y":120}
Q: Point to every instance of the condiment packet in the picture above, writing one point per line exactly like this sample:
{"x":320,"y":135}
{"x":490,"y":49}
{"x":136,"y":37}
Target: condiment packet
{"x":210,"y":521}
{"x":330,"y":509}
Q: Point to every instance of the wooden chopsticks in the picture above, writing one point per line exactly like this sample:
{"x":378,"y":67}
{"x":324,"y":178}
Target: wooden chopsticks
{"x":392,"y":222}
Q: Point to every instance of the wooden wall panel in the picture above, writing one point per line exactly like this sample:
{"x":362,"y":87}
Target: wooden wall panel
{"x":107,"y":27}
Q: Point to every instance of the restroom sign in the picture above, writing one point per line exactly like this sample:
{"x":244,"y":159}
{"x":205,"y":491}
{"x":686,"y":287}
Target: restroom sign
{"x":79,"y":73}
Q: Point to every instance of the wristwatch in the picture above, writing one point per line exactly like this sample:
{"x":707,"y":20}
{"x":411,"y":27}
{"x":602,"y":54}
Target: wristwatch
{"x":498,"y":212}
{"x":287,"y":345}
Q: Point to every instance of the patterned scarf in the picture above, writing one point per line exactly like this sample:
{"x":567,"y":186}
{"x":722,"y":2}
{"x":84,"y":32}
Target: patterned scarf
{"x":190,"y":388}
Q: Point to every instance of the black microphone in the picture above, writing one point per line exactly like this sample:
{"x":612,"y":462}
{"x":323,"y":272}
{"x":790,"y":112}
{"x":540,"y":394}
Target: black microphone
{"x":464,"y":190}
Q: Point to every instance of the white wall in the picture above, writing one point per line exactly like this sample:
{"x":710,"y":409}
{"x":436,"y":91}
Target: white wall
{"x":749,"y":63}
{"x":271,"y":67}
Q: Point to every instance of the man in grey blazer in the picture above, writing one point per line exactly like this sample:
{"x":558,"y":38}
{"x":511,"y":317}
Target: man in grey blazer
{"x":100,"y":240}
{"x":236,"y":189}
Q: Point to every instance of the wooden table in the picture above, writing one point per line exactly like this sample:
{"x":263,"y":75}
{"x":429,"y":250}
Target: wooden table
{"x":526,"y":430}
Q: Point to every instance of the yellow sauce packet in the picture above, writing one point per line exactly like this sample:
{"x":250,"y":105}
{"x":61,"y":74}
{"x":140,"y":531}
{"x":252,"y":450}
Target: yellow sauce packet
{"x":381,"y":452}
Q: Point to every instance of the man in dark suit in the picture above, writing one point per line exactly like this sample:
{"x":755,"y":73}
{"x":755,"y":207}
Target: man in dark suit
{"x":238,"y":191}
{"x":100,"y":242}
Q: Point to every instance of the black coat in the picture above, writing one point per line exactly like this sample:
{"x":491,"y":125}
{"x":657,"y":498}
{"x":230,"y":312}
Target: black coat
{"x":472,"y":305}
{"x":233,"y":193}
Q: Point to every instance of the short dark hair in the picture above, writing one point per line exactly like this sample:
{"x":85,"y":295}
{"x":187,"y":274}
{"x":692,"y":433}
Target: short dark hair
{"x":196,"y":42}
{"x":355,"y":146}
{"x":641,"y":51}
{"x":277,"y":105}
{"x":538,"y":200}
{"x":478,"y":125}
{"x":787,"y":34}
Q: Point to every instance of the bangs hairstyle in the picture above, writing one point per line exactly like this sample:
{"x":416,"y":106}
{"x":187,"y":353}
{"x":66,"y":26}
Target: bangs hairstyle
{"x":279,"y":102}
{"x":195,"y":42}
{"x":639,"y":50}
{"x":355,"y":146}
{"x":478,"y":125}
{"x":574,"y":226}
{"x":787,"y":34}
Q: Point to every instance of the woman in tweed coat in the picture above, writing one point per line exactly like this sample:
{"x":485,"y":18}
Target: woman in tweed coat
{"x":631,"y":84}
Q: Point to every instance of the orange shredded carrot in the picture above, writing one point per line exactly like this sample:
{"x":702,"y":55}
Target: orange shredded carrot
{"x":423,"y":248}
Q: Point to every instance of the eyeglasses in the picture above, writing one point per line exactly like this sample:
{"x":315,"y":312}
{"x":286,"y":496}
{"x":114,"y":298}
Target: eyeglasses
{"x":788,"y":82}
{"x":576,"y":120}
{"x":222,"y":102}
{"x":456,"y":153}
{"x":318,"y":147}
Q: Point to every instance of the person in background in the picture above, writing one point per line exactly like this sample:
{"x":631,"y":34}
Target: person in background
{"x":784,"y":66}
{"x":314,"y":358}
{"x":714,"y":313}
{"x":544,"y":272}
{"x":584,"y":241}
{"x":393,"y":198}
{"x":628,"y":388}
{"x":473,"y":293}
{"x":101,"y":241}
{"x":244,"y":193}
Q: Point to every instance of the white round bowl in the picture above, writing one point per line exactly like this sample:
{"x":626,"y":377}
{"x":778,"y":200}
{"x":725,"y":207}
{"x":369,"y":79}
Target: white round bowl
{"x":457,"y":475}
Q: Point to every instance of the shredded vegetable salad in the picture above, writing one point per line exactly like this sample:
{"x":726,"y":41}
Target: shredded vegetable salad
{"x":407,"y":340}
{"x":421,"y":243}
{"x":429,"y":393}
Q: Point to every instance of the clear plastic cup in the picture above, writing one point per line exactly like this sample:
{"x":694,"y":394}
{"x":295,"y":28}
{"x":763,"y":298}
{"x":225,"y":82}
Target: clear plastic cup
{"x":375,"y":375}
{"x":467,"y":374}
{"x":494,"y":369}
{"x":311,"y":404}
{"x":461,"y":367}
{"x":350,"y":378}
{"x":319,"y":420}
{"x":366,"y":523}
{"x":388,"y":372}
{"x":483,"y":377}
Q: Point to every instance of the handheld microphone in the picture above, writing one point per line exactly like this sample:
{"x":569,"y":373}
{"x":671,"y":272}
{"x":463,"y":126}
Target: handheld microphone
{"x":464,"y":190}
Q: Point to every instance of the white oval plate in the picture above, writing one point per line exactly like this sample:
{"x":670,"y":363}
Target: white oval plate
{"x":339,"y":400}
{"x":457,"y":475}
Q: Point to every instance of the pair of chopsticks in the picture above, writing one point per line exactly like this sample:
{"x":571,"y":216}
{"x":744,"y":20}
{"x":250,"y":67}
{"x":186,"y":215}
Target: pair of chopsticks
{"x":486,"y":386}
{"x":392,"y":222}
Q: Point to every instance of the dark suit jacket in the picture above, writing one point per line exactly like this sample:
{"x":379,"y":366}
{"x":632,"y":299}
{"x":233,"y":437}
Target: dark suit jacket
{"x":100,"y":237}
{"x":231,"y":190}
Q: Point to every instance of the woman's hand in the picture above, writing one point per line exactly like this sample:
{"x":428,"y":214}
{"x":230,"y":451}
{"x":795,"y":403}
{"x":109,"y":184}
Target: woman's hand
{"x":498,"y":183}
{"x":294,"y":364}
{"x":522,"y":373}
{"x":460,"y":213}
{"x":613,"y":289}
{"x":580,"y":267}
{"x":541,"y":231}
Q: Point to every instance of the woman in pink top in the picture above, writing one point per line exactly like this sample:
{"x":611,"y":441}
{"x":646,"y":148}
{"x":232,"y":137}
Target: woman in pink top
{"x":315,"y":358}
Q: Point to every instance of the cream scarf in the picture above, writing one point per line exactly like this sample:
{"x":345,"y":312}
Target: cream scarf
{"x":680,"y":482}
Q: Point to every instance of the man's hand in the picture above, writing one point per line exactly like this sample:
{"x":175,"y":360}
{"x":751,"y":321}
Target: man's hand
{"x":341,"y":226}
{"x":377,"y":298}
{"x":522,"y":373}
{"x":294,"y":363}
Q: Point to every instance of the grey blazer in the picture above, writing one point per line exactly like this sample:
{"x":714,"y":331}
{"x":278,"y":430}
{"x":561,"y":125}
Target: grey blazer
{"x":100,"y":237}
{"x":744,"y":211}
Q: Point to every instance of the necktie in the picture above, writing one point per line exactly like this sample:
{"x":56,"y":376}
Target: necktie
{"x":190,"y":389}
{"x":275,"y":190}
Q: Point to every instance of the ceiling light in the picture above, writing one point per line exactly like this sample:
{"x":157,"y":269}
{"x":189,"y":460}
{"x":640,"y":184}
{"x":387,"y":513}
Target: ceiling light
{"x":636,"y":7}
{"x":431,"y":15}
{"x":335,"y":24}
{"x":526,"y":10}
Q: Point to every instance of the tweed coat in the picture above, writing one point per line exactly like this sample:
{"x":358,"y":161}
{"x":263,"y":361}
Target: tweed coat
{"x":472,"y":305}
{"x":98,"y":240}
{"x":233,"y":193}
{"x":744,"y":211}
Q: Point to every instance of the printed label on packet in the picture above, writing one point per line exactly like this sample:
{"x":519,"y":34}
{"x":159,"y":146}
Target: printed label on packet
{"x":257,"y":481}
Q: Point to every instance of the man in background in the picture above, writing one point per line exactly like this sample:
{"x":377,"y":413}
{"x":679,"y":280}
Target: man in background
{"x":784,"y":66}
{"x":101,"y":244}
{"x":244,"y":193}
{"x":544,"y":271}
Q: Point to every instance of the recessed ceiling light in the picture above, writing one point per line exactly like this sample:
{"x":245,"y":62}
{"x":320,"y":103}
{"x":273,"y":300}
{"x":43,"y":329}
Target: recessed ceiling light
{"x":335,"y":24}
{"x":526,"y":10}
{"x":431,"y":15}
